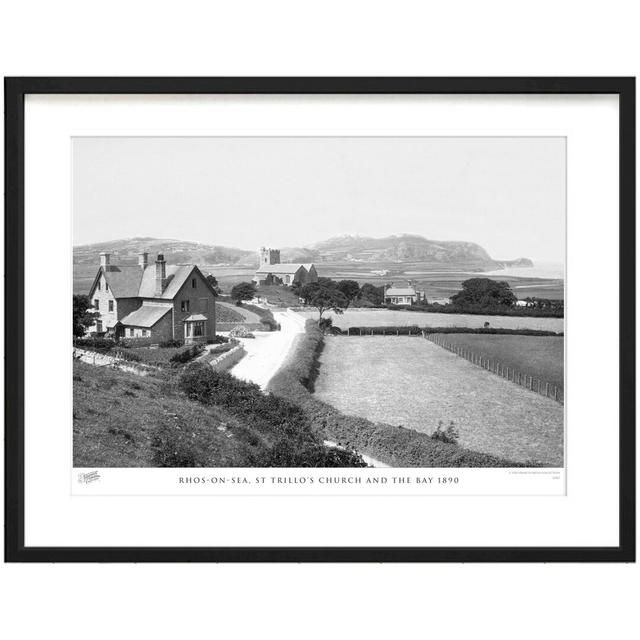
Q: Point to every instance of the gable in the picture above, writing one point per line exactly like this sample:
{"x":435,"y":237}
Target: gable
{"x":203,"y":287}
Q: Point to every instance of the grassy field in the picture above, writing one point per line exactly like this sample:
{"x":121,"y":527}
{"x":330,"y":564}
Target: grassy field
{"x":224,"y":314}
{"x":393,"y":318}
{"x":123,"y":420}
{"x":540,"y":357}
{"x":412,"y":382}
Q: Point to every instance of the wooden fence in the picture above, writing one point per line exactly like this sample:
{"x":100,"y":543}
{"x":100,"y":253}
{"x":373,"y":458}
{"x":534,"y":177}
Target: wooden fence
{"x":532,"y":383}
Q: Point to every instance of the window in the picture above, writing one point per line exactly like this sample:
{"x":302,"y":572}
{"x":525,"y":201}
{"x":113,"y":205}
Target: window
{"x":184,"y":305}
{"x":198,"y":329}
{"x":193,"y":283}
{"x":96,"y":304}
{"x":131,"y":332}
{"x":99,"y":285}
{"x":145,"y":333}
{"x":106,"y":286}
{"x":110,"y":305}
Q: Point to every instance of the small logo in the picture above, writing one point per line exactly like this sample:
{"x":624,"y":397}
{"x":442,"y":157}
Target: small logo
{"x":90,"y":476}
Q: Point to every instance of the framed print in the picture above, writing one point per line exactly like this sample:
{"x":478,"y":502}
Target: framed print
{"x":320,"y":319}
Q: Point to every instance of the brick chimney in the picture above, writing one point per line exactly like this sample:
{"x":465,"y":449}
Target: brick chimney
{"x":143,"y":260}
{"x":105,"y":260}
{"x":161,"y":274}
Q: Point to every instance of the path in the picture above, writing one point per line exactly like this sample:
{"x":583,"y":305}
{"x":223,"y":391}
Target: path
{"x":249,"y":316}
{"x":267,"y":351}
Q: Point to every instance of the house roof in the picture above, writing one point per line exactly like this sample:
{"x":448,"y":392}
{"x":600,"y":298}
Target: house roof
{"x":396,"y":291}
{"x":123,"y":281}
{"x":286,"y":267}
{"x":195,"y":317}
{"x":131,"y":281}
{"x":176,"y":275}
{"x":308,"y":266}
{"x":146,"y":316}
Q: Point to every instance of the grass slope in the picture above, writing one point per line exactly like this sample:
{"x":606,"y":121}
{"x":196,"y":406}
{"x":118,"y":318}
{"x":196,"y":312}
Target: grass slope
{"x":123,"y":420}
{"x":189,"y":418}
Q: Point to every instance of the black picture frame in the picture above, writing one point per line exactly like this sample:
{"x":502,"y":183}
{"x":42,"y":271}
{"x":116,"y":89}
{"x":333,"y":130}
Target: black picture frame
{"x":15,"y":91}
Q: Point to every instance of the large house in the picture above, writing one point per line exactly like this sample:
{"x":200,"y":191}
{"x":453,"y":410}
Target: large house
{"x":156,"y":301}
{"x":403,"y":295}
{"x":272,"y":271}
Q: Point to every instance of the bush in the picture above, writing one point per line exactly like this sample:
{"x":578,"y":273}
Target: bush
{"x":471,"y":309}
{"x":187,"y":354}
{"x":450,"y":434}
{"x":218,"y":340}
{"x":283,"y":454}
{"x":133,"y":343}
{"x":166,"y":344}
{"x":269,"y":413}
{"x":96,"y":344}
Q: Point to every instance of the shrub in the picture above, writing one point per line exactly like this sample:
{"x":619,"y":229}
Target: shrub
{"x":186,"y":355}
{"x":269,"y":414}
{"x":217,"y":340}
{"x":96,"y":344}
{"x":166,"y":344}
{"x":283,"y":454}
{"x":450,"y":434}
{"x":134,"y":343}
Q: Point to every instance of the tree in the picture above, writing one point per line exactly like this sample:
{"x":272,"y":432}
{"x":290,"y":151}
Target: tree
{"x":213,"y":283}
{"x":243,"y":291}
{"x":83,"y":315}
{"x":372,"y":294}
{"x":484,"y":293}
{"x":323,"y":296}
{"x":349,"y":289}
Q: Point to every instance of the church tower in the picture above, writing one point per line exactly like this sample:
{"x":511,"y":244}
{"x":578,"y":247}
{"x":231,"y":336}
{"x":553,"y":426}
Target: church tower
{"x":269,"y":256}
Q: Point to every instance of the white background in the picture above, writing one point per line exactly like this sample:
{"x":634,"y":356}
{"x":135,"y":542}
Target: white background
{"x":332,"y":38}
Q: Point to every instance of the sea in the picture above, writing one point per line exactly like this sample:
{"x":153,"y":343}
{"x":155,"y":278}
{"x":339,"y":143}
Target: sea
{"x":553,"y":270}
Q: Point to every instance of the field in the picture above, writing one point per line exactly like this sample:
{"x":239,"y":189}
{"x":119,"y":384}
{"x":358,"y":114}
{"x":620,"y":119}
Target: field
{"x":540,"y":357}
{"x":393,"y":318}
{"x":414,"y":383}
{"x":226,"y":314}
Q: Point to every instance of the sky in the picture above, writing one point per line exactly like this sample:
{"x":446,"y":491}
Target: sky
{"x":506,"y":194}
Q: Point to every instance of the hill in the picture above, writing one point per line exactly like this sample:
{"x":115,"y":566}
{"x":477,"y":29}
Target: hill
{"x":175,"y":252}
{"x":405,"y":248}
{"x":399,"y":248}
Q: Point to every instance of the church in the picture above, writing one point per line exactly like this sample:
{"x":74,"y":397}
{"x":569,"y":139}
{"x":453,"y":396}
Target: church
{"x":272,"y":271}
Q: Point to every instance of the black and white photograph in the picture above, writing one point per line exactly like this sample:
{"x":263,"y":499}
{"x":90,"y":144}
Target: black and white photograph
{"x":352,"y":302}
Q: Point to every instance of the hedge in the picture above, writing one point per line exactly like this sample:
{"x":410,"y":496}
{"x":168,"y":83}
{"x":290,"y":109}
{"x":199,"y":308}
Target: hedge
{"x":396,"y":446}
{"x":414,"y":330}
{"x":283,"y":425}
{"x":478,"y":310}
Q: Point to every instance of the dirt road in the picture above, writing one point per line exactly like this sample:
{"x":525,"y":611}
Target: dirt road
{"x":268,"y":350}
